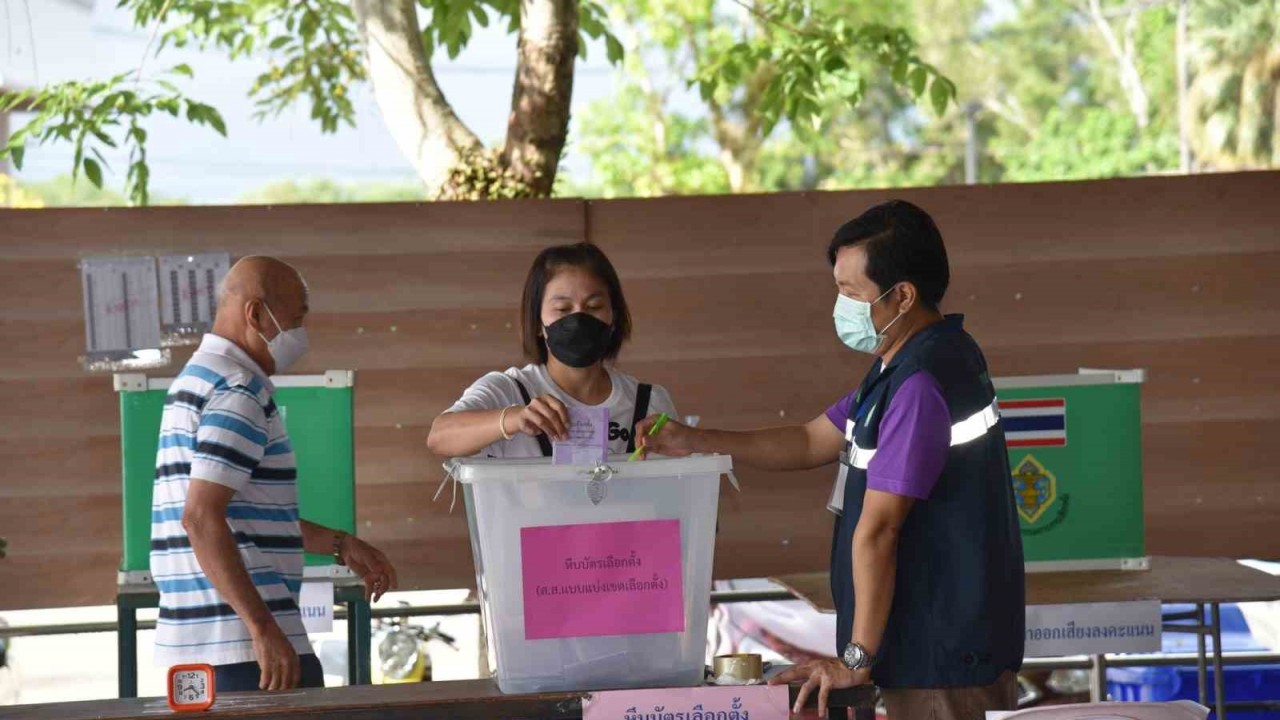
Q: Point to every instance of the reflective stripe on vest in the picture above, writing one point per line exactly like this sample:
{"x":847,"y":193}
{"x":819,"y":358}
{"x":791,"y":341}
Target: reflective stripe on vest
{"x":962,"y":432}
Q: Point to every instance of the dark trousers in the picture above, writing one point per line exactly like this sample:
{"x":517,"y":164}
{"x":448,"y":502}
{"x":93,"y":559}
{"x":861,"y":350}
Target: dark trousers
{"x":243,"y":677}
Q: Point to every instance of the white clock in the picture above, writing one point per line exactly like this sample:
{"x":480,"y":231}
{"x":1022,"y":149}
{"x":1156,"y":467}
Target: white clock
{"x":191,"y":687}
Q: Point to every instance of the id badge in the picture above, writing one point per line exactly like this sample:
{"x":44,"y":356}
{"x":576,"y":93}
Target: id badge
{"x":836,"y":503}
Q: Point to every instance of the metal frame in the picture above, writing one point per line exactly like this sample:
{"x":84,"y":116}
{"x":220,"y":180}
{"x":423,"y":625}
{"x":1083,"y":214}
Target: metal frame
{"x":135,"y":589}
{"x":1214,"y":630}
{"x":140,"y":382}
{"x":131,"y":598}
{"x":1097,"y":664}
{"x":1085,"y":376}
{"x":360,"y":616}
{"x":1044,"y":566}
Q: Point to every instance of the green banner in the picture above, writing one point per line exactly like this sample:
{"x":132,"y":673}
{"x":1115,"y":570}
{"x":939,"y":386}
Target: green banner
{"x":319,"y":421}
{"x":1075,"y":453}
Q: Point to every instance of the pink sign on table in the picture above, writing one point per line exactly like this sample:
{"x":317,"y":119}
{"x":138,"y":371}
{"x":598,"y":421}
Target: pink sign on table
{"x":619,"y":578}
{"x":756,"y":702}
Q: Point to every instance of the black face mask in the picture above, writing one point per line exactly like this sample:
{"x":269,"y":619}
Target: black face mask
{"x":578,"y":340}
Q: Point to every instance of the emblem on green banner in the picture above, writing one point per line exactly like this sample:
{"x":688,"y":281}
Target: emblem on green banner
{"x":1034,"y":488}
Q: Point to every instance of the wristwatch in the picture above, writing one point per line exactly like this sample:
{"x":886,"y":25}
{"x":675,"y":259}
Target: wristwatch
{"x":856,"y":657}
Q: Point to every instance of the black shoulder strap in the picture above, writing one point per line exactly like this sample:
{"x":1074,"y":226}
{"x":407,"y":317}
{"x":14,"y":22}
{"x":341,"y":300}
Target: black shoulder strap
{"x":543,"y":442}
{"x":643,"y":392}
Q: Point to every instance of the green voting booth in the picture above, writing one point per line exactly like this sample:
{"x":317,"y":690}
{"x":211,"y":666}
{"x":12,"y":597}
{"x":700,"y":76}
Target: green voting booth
{"x":1075,"y":455}
{"x":318,"y":413}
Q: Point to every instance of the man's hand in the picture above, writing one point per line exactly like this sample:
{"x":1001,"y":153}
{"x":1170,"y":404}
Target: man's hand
{"x":371,"y":565}
{"x":825,"y":675}
{"x":673,"y":440}
{"x":277,"y":659}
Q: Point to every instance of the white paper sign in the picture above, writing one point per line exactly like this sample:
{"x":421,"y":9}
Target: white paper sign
{"x":316,"y":604}
{"x":120,"y":308}
{"x":1093,"y":628}
{"x":188,"y":290}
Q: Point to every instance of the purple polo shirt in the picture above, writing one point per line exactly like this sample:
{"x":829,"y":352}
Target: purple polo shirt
{"x":915,"y":434}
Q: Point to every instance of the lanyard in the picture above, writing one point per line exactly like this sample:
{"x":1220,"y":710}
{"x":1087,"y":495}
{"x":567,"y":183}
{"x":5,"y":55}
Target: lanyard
{"x":863,"y":408}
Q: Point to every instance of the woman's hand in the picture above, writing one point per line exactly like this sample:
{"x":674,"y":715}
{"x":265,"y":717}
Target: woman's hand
{"x":546,"y":415}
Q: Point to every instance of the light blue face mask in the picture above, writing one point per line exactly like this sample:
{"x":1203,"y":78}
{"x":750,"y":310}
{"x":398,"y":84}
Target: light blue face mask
{"x":854,"y":324}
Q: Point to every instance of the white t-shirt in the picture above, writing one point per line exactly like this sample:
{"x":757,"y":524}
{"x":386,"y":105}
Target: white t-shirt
{"x":497,"y":390}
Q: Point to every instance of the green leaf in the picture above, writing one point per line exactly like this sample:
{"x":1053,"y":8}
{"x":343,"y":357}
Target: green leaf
{"x":918,"y":77}
{"x":482,"y":17}
{"x":183,"y":69}
{"x":941,"y":92}
{"x":17,"y":152}
{"x":106,"y":139}
{"x":307,"y":27}
{"x":280,"y":42}
{"x":614,"y":50}
{"x":706,"y":88}
{"x":101,"y":159}
{"x":731,"y":72}
{"x":93,"y":171}
{"x":215,"y":119}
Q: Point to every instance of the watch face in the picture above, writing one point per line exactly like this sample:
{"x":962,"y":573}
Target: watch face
{"x":853,"y":656}
{"x":190,"y":687}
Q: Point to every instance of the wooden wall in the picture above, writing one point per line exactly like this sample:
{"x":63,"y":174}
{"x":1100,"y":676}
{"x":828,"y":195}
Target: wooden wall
{"x":732,"y":300}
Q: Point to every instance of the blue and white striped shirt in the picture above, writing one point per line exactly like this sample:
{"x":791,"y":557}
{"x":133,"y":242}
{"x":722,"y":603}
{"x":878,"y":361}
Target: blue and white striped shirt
{"x":221,"y":425}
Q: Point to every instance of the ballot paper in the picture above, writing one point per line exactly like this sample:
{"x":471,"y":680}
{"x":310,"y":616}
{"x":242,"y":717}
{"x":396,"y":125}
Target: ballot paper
{"x":588,"y":442}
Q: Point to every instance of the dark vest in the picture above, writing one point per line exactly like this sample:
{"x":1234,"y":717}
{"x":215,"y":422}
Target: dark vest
{"x":958,"y":611}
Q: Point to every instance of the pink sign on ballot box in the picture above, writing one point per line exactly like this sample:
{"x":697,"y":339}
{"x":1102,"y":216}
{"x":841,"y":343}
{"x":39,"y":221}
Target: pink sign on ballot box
{"x":618,"y":578}
{"x":756,"y":702}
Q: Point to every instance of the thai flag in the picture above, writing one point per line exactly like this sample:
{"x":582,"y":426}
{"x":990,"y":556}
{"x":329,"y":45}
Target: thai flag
{"x":1034,"y":423}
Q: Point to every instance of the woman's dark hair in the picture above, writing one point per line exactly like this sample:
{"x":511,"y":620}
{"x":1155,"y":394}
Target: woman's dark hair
{"x":550,"y":261}
{"x":902,"y":245}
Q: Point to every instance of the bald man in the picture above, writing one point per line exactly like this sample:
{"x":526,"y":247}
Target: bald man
{"x":226,"y":541}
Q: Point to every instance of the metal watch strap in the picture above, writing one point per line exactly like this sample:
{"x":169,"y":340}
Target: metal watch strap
{"x":863,"y":659}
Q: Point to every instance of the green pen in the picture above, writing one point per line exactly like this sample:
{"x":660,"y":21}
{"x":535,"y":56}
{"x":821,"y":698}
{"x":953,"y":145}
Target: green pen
{"x":657,"y":425}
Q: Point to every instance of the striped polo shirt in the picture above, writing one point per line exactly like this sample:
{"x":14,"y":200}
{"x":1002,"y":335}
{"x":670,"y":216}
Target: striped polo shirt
{"x":221,"y":425}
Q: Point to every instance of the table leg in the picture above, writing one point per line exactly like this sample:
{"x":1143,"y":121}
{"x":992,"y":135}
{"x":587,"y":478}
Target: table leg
{"x":1202,"y":660}
{"x":1219,"y":679}
{"x":359,"y":652}
{"x":127,"y":649}
{"x":1098,"y":679}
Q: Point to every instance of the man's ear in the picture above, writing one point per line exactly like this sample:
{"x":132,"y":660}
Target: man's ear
{"x":908,"y":297}
{"x":251,"y":310}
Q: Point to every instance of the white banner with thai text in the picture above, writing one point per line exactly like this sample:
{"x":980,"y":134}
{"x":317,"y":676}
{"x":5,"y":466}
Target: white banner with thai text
{"x":316,"y":604}
{"x":1093,"y":628}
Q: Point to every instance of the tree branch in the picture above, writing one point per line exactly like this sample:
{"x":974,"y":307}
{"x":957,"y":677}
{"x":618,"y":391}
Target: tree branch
{"x":1130,"y":78}
{"x":539,"y":121}
{"x":655,"y":101}
{"x":416,"y":112}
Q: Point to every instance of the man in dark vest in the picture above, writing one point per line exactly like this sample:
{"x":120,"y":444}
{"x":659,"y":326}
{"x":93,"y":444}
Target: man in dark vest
{"x":926,"y":558}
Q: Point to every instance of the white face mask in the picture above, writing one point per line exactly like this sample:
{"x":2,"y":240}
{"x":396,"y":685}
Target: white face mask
{"x":854,"y":325}
{"x":287,"y":346}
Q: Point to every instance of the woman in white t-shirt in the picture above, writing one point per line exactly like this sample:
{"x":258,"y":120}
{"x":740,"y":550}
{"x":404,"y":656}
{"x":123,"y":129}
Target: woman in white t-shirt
{"x":574,"y":322}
